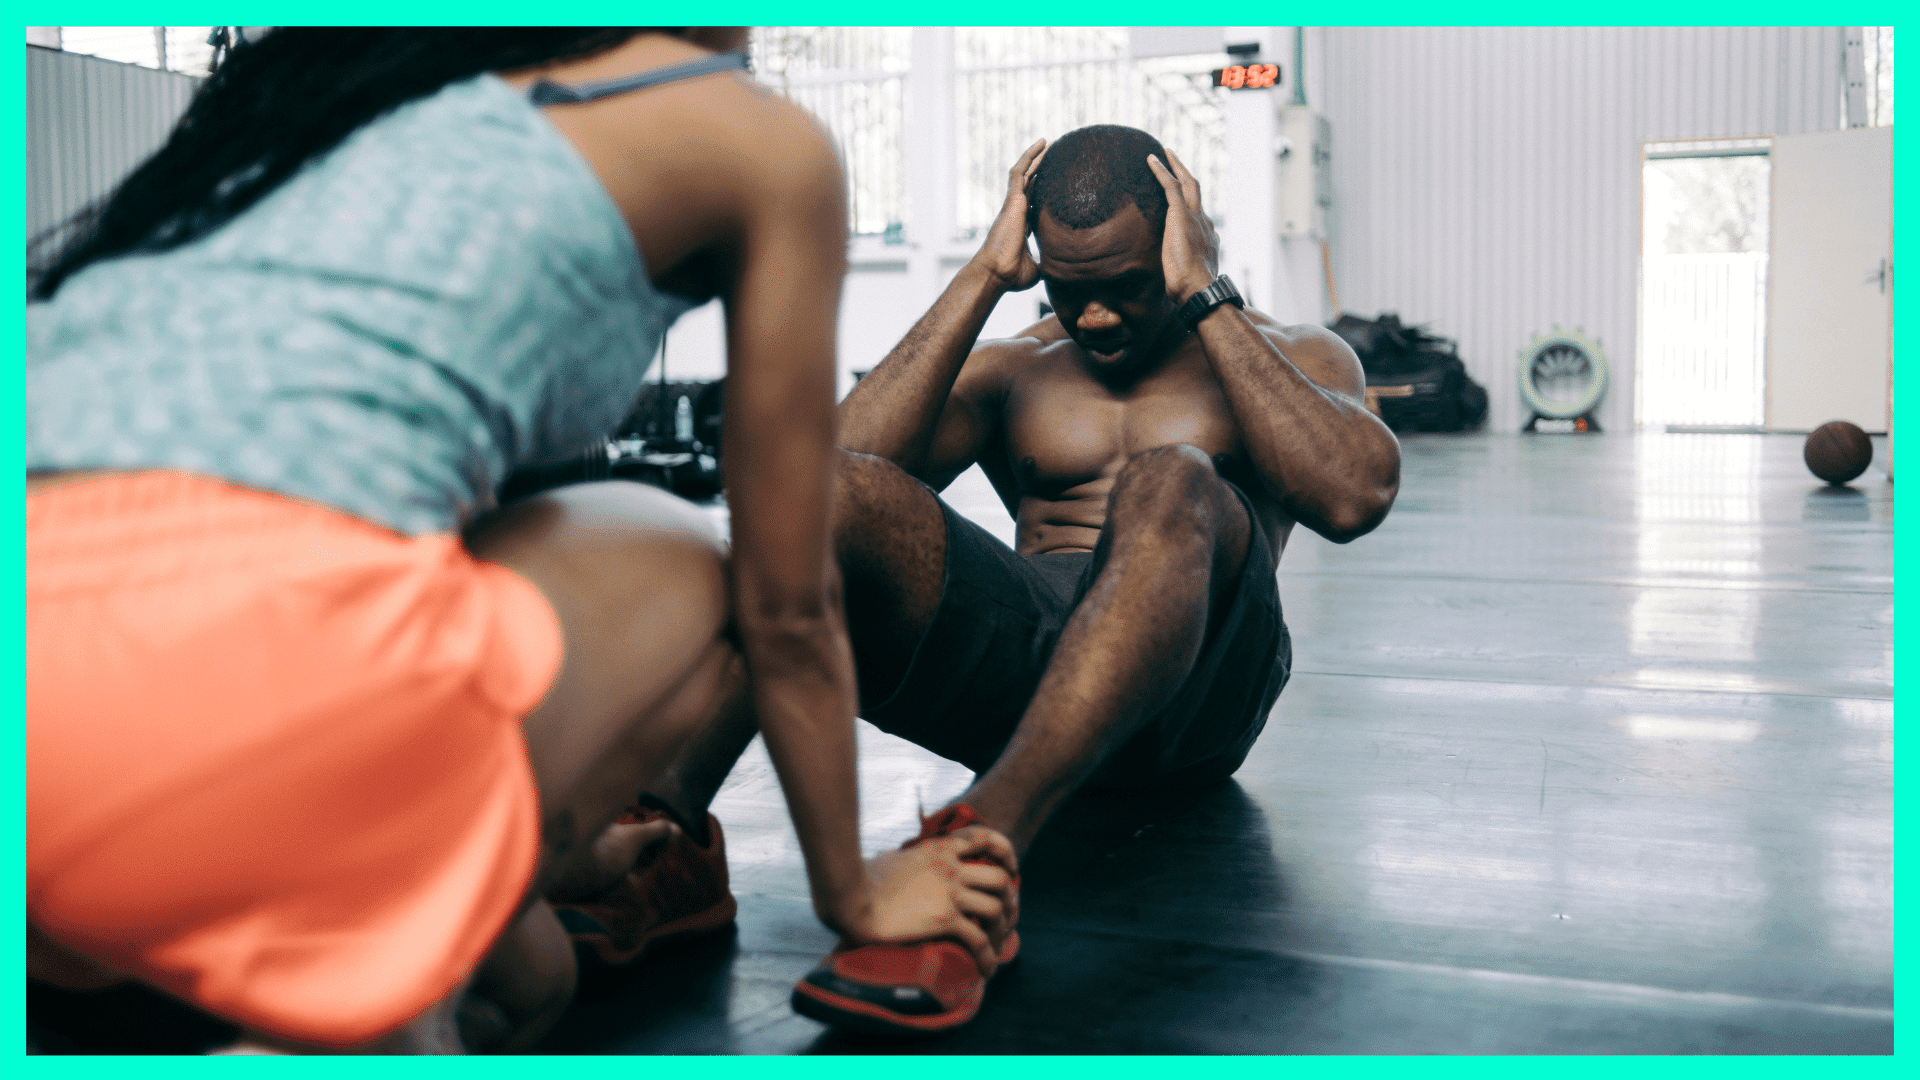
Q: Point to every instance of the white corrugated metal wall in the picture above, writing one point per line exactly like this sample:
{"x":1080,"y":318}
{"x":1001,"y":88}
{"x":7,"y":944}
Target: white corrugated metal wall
{"x":1487,"y":181}
{"x":89,"y":123}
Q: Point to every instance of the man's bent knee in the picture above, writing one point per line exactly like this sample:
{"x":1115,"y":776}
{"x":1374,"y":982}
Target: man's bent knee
{"x":865,"y":484}
{"x":1176,"y":463}
{"x":877,"y":502}
{"x":1169,"y":483}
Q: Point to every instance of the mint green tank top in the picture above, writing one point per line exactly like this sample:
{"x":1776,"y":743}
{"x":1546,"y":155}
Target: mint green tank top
{"x":448,"y":294}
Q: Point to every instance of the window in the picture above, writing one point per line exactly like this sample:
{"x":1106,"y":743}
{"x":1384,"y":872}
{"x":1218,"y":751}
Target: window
{"x":170,"y":48}
{"x":1877,"y":50}
{"x":1016,"y":84}
{"x":853,"y":78}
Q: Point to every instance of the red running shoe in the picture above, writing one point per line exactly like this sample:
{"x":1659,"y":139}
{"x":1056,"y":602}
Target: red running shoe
{"x":925,"y":988}
{"x":681,"y":892}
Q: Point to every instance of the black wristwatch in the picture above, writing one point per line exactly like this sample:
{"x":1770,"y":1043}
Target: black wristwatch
{"x":1220,"y":292}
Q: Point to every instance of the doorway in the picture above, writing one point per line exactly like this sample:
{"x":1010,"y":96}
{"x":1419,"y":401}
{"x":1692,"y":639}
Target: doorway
{"x":1703,"y":298}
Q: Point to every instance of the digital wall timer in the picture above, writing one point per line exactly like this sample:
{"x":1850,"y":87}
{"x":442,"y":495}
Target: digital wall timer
{"x":1247,"y":76}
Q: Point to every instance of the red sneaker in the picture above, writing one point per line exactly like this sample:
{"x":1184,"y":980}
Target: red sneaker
{"x":924,"y":988}
{"x":681,"y":892}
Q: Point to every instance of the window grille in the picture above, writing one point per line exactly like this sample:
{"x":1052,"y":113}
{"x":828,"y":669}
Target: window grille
{"x":168,"y":48}
{"x":853,"y":79}
{"x":1017,"y":84}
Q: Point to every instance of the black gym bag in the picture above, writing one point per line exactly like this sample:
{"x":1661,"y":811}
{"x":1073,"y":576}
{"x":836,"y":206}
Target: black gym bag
{"x":1415,"y":379}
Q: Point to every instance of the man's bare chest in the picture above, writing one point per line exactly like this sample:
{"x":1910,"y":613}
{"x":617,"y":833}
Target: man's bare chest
{"x":1065,"y":430}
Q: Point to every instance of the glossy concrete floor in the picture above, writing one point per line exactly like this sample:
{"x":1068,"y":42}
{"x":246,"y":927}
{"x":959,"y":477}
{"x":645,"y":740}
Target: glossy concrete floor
{"x":1588,"y":749}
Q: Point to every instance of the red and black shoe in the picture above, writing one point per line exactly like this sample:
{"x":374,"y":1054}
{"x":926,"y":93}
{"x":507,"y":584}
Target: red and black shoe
{"x":681,"y":892}
{"x":925,"y":988}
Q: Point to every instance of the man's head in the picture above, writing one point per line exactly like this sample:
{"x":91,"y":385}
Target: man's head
{"x":1097,"y":213}
{"x":1089,"y":173}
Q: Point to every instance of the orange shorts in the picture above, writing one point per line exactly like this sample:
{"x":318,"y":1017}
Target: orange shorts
{"x":274,"y":756}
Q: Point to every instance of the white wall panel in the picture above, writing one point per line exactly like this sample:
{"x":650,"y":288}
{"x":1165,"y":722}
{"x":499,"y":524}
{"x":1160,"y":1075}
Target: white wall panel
{"x":1487,"y":180}
{"x":89,"y":123}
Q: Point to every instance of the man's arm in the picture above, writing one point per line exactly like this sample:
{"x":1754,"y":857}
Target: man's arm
{"x":918,"y":408}
{"x":1298,"y":393}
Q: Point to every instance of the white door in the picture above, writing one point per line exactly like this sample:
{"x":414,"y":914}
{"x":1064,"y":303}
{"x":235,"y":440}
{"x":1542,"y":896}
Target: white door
{"x":1830,"y":279}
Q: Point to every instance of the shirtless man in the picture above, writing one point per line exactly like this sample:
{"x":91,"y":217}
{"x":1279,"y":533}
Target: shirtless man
{"x":1155,"y":451}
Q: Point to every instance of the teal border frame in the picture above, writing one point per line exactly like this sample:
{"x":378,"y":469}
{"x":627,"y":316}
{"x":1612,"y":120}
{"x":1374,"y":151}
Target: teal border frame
{"x":851,"y":12}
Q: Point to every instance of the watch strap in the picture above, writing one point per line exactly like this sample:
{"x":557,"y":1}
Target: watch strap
{"x":1221,"y":291}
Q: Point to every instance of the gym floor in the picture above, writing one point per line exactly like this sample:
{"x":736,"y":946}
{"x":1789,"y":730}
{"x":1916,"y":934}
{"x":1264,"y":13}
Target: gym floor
{"x":1588,"y":749}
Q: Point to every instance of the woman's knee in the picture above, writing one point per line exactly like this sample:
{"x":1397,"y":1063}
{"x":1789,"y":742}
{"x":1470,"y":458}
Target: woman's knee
{"x":638,"y":581}
{"x":522,"y":986}
{"x":592,"y":517}
{"x":611,"y":553}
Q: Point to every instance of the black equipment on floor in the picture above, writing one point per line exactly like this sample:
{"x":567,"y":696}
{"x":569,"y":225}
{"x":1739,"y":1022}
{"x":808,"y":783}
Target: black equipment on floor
{"x":671,"y":440}
{"x":1415,"y":380}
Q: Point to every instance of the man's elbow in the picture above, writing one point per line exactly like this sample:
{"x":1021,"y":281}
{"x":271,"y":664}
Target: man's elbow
{"x":1356,"y":517}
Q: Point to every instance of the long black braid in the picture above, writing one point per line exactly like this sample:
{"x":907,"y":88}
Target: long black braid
{"x":279,"y":102}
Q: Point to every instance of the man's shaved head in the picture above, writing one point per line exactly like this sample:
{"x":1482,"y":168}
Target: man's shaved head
{"x":1088,"y":173}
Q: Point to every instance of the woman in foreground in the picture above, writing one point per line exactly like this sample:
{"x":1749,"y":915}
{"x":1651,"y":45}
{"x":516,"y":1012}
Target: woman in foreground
{"x":312,"y":726}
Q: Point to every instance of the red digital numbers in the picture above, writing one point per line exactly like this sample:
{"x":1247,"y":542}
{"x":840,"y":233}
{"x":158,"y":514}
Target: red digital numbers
{"x":1247,"y":76}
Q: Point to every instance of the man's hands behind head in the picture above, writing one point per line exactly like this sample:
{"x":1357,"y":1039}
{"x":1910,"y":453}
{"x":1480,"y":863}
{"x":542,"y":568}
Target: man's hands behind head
{"x":1005,"y":255}
{"x":1189,"y":248}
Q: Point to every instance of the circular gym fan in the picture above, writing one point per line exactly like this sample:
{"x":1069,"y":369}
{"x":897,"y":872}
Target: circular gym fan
{"x":1563,"y":376}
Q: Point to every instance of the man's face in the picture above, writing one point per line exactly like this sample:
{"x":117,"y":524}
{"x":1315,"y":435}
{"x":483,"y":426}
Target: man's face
{"x":1106,"y":285}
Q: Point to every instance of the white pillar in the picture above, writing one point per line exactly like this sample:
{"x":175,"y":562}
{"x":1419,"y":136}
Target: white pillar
{"x":1249,"y":237}
{"x":929,"y":150}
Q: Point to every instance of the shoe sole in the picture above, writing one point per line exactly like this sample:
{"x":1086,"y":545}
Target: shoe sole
{"x":848,"y":1014}
{"x":852,"y":1014}
{"x":601,"y":953}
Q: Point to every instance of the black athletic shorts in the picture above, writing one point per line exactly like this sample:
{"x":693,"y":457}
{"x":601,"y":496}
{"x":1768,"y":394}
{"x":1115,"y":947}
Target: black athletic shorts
{"x":1001,"y":614}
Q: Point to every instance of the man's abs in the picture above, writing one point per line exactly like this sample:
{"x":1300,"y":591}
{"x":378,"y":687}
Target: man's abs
{"x":1064,"y":524}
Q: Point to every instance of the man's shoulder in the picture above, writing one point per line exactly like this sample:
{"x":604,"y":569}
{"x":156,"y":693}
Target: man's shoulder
{"x":1293,"y":333}
{"x":1311,"y":338}
{"x":1322,"y":355}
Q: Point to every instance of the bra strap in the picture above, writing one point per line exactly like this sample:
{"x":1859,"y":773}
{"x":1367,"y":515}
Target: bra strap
{"x":553,"y":93}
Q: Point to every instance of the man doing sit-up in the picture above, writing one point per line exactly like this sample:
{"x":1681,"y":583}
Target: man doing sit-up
{"x":1155,"y":442}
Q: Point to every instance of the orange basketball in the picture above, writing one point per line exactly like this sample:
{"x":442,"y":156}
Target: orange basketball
{"x":1838,"y":451}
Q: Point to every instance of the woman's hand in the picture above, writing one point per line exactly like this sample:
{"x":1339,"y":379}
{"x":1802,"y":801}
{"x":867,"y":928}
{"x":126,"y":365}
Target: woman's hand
{"x":958,"y":886}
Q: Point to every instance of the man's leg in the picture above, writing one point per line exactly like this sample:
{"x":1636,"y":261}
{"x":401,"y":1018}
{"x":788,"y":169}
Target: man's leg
{"x":1167,"y":566}
{"x":890,"y":538}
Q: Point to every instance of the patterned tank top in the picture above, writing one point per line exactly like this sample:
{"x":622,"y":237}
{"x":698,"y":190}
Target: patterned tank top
{"x":448,"y":294}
